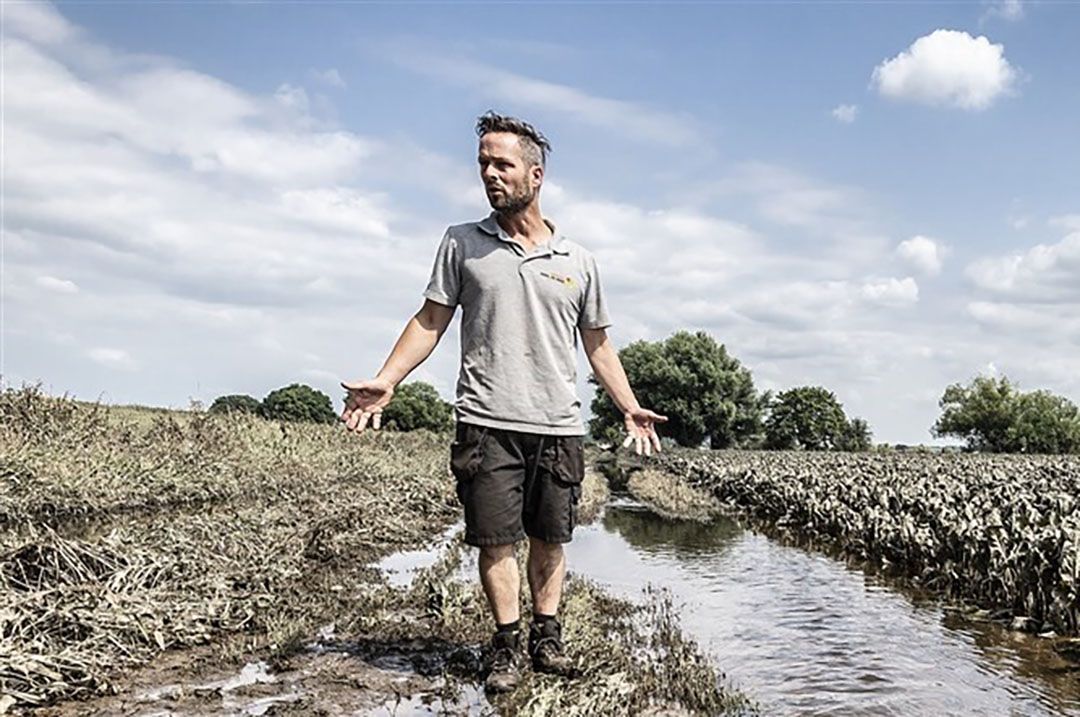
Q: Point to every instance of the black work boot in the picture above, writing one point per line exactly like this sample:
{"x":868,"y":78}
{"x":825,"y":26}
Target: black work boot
{"x":504,"y":662}
{"x":546,"y":648}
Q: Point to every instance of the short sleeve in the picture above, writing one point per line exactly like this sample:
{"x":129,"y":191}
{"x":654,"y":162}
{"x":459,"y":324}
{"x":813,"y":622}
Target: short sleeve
{"x":445,"y":283}
{"x":594,"y":313}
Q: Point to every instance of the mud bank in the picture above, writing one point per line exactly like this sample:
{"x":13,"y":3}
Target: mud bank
{"x":195,"y":565}
{"x":415,"y":647}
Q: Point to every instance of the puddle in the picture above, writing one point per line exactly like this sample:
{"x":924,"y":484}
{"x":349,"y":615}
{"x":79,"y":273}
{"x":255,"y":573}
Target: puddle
{"x":400,"y":568}
{"x":366,"y":677}
{"x":469,"y":701}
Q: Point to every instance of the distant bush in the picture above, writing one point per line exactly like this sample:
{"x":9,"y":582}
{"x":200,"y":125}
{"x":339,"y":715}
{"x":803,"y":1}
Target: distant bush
{"x":238,"y":403}
{"x":418,"y":405}
{"x":298,"y":402}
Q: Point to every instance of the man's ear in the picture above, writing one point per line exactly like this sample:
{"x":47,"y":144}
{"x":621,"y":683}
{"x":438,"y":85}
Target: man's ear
{"x":537,"y":175}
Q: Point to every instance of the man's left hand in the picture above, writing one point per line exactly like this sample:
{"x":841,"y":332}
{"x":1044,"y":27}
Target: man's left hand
{"x":640,"y":427}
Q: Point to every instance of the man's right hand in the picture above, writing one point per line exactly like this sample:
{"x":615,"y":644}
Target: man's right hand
{"x":365,"y":402}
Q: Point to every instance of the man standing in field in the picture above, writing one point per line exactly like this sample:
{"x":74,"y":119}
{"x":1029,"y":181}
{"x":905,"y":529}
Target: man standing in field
{"x":525,"y":290}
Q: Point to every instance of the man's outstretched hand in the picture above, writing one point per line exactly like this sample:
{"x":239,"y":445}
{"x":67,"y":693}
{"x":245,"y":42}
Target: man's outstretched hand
{"x":365,"y":403}
{"x":640,"y":427}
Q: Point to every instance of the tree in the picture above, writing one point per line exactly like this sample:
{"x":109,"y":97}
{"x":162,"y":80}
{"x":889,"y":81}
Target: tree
{"x":1044,"y":423}
{"x":418,"y":405}
{"x":238,"y":403}
{"x":857,"y":436}
{"x":297,"y":402}
{"x":981,"y":413}
{"x":811,"y":418}
{"x":706,"y":393}
{"x":992,"y":414}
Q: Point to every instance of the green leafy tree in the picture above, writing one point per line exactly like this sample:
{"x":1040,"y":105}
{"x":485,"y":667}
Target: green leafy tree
{"x":238,"y":403}
{"x":809,"y":418}
{"x":705,"y":392}
{"x":857,"y":436}
{"x":297,"y":402}
{"x":418,"y":405}
{"x":992,"y":414}
{"x":981,"y":413}
{"x":1044,"y":423}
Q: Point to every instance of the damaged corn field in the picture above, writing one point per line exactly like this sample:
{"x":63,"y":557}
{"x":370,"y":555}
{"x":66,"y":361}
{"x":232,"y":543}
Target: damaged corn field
{"x":129,"y":539}
{"x":1001,"y":533}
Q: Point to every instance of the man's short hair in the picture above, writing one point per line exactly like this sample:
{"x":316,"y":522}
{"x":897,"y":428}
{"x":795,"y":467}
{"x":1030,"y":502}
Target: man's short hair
{"x":534,"y":145}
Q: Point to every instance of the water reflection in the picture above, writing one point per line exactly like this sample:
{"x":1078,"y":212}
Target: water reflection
{"x":654,"y":535}
{"x":806,"y":635}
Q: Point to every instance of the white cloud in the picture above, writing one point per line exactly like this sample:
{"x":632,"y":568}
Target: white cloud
{"x":1068,"y":222}
{"x":113,"y":358}
{"x":845,"y":113}
{"x":60,"y":286}
{"x":1034,"y":296}
{"x":891,"y":291}
{"x":629,"y":118}
{"x":1011,"y":10}
{"x":802,"y":305}
{"x":948,"y":68}
{"x":293,"y":98}
{"x":40,"y":22}
{"x":1045,"y":272}
{"x":329,"y":77}
{"x":922,"y":253}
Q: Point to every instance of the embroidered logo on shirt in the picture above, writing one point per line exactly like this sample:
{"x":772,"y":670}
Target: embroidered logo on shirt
{"x":564,"y":280}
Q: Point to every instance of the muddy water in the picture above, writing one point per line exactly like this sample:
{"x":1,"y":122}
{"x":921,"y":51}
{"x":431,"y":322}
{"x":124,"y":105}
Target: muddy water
{"x":806,"y":635}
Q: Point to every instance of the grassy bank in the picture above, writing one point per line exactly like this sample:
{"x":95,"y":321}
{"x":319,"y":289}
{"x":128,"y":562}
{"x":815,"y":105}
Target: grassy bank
{"x":123,"y":536}
{"x":122,"y":539}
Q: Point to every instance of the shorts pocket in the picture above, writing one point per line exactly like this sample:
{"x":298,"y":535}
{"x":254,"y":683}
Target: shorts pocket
{"x":571,"y":460}
{"x":467,"y":451}
{"x":565,"y":461}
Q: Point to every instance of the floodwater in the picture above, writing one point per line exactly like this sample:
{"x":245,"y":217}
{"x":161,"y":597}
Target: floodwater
{"x":804,"y":634}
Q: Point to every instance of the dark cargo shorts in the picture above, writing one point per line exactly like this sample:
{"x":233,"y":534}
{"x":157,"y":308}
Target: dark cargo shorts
{"x":514,"y":484}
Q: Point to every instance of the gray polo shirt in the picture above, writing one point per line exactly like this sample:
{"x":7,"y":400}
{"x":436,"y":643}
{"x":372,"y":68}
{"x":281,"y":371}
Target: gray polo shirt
{"x":520,"y":315}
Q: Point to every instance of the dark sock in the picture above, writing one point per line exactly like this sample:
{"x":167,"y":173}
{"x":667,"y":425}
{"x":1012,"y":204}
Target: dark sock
{"x":509,"y":627}
{"x":540,"y":620}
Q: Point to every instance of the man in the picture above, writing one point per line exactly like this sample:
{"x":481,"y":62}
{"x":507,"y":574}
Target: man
{"x":525,"y":290}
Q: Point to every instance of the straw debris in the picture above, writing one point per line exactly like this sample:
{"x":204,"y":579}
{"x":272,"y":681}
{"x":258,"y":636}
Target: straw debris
{"x":125,"y":533}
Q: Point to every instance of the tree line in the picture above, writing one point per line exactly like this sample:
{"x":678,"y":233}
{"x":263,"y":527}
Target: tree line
{"x":415,"y":405}
{"x":711,"y":400}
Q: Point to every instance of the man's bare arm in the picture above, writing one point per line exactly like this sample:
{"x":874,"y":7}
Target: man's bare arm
{"x":609,"y":371}
{"x":367,"y":399}
{"x":419,"y":338}
{"x":604,"y":359}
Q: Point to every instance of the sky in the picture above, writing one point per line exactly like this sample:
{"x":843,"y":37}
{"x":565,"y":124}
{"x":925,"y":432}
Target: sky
{"x":882,"y":198}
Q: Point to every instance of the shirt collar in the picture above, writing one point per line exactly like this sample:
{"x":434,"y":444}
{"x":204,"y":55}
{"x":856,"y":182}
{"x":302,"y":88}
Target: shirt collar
{"x":558,"y":242}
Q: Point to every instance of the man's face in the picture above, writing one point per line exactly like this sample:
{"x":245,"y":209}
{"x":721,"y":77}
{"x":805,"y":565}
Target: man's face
{"x":510,"y":183}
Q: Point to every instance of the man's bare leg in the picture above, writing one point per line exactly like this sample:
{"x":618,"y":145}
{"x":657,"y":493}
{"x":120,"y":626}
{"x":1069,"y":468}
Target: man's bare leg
{"x":501,"y":581}
{"x":547,"y":569}
{"x":502,"y":585}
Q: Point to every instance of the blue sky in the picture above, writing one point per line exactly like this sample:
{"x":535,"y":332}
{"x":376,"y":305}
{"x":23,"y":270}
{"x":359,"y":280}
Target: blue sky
{"x":214,"y":198}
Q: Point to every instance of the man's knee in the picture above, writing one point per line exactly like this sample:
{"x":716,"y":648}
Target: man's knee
{"x":544,"y":551}
{"x":495,"y":553}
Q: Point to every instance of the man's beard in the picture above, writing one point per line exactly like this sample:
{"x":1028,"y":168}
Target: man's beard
{"x":512,"y":203}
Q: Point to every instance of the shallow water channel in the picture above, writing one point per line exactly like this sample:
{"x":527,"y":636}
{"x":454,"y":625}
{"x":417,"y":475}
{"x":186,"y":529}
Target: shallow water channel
{"x":805,"y":634}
